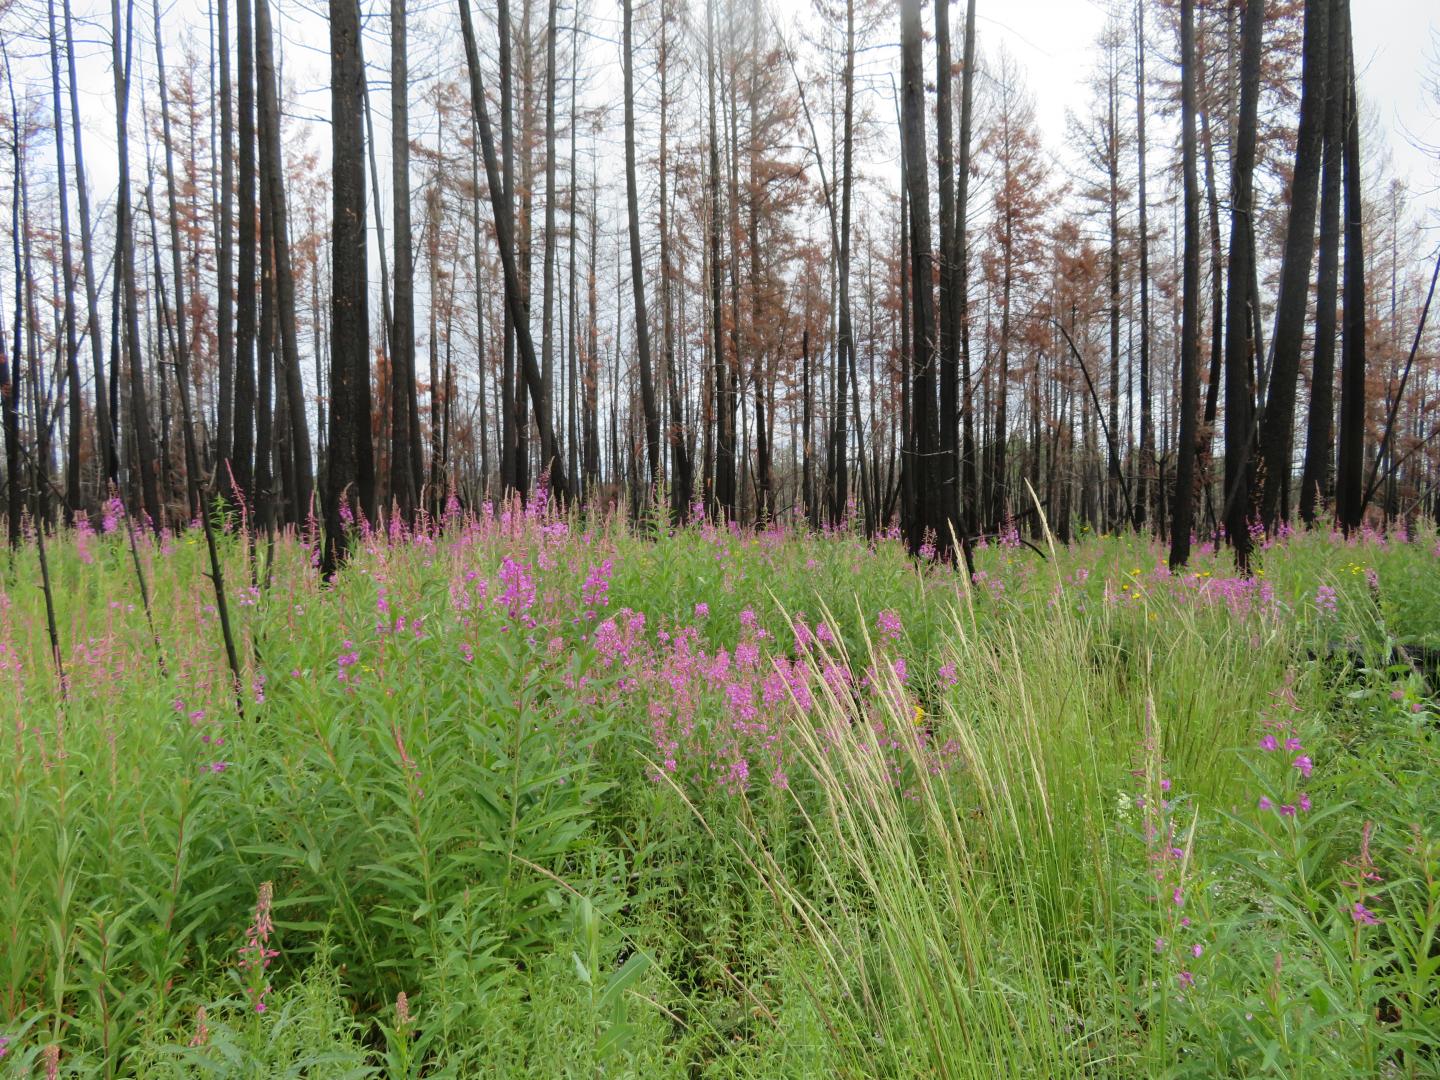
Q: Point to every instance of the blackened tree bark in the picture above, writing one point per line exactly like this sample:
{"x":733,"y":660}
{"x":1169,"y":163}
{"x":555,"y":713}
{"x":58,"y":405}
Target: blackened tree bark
{"x":970,"y":481}
{"x":1277,"y":428}
{"x":10,"y":412}
{"x":350,"y":472}
{"x":637,"y":269}
{"x":549,"y":259}
{"x":479,"y":316}
{"x":1112,"y":176}
{"x":572,"y":442}
{"x":67,"y":269}
{"x":920,"y":518}
{"x":181,"y":324}
{"x":1206,"y":432}
{"x":225,"y":257}
{"x":1318,"y":477}
{"x":242,"y":463}
{"x":265,"y":370}
{"x":144,"y":438}
{"x":947,"y":464}
{"x":845,"y":335}
{"x":523,"y":219}
{"x":1147,"y":426}
{"x":1183,"y":515}
{"x":682,"y":480}
{"x":763,"y":481}
{"x":509,"y":434}
{"x":1349,"y":479}
{"x":505,"y":240}
{"x":547,"y":271}
{"x":1240,"y":343}
{"x":724,"y":494}
{"x":405,"y":451}
{"x":591,"y":403}
{"x":301,"y":478}
{"x":807,"y":471}
{"x":104,"y":417}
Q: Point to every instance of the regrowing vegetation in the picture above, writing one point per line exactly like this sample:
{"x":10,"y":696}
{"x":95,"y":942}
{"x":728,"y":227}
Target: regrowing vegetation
{"x":743,"y":562}
{"x":533,"y":794}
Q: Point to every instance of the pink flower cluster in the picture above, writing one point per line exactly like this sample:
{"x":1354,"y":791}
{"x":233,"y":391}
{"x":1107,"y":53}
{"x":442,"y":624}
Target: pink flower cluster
{"x":256,"y":954}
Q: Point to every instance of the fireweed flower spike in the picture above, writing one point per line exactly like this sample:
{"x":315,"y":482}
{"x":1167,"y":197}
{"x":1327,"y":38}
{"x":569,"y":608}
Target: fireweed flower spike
{"x":202,"y":1029}
{"x":256,"y":954}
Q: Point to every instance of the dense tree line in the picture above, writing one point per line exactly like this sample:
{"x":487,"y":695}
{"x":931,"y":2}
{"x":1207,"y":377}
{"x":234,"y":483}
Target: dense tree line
{"x":827,"y":272}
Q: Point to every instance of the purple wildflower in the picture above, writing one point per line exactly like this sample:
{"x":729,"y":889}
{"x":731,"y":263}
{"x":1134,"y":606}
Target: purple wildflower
{"x":1363,"y":915}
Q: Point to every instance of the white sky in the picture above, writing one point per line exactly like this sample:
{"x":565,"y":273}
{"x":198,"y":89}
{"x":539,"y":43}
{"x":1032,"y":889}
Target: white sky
{"x":1397,"y":42}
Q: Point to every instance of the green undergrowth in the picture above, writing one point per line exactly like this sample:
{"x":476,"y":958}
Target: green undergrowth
{"x":820,"y":812}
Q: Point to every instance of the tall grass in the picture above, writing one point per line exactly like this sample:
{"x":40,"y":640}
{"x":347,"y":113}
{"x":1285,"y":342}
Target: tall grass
{"x":539,"y":797}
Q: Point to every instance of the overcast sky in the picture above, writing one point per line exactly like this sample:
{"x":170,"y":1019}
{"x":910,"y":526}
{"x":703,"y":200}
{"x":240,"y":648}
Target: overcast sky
{"x":1054,"y":41}
{"x":1396,"y":42}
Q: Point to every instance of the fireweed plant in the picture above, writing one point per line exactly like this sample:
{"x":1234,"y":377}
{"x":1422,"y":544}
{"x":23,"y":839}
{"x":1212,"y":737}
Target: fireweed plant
{"x":531,"y":793}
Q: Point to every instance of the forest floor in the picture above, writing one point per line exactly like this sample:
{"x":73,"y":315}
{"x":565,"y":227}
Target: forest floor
{"x":527,"y":796}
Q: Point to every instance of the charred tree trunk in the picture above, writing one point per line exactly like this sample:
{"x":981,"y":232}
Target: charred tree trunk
{"x":1277,"y":429}
{"x":1147,"y":427}
{"x":547,"y":306}
{"x":845,"y":336}
{"x":921,"y":519}
{"x":637,"y":269}
{"x":592,"y":351}
{"x":1318,"y":478}
{"x":1349,"y":479}
{"x":970,"y":481}
{"x":1240,"y":341}
{"x":350,"y":476}
{"x":1182,"y":517}
{"x":104,"y":417}
{"x":144,"y":438}
{"x":67,"y":269}
{"x":505,"y":236}
{"x":225,"y":259}
{"x":10,"y":414}
{"x":682,"y":480}
{"x":724,"y":494}
{"x":1112,"y":153}
{"x":243,"y":452}
{"x":301,"y":478}
{"x":405,"y":450}
{"x":947,"y":464}
{"x":181,"y":325}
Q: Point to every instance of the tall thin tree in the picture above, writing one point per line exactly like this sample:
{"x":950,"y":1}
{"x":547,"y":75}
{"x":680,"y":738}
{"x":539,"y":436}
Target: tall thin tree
{"x":67,"y":269}
{"x":350,"y":472}
{"x":1349,"y":473}
{"x":143,"y":433}
{"x":920,"y":521}
{"x":1277,"y":427}
{"x":104,"y":417}
{"x":1183,"y":515}
{"x":637,"y":266}
{"x":1318,"y":476}
{"x":405,"y":451}
{"x":1240,"y":342}
{"x":505,"y":240}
